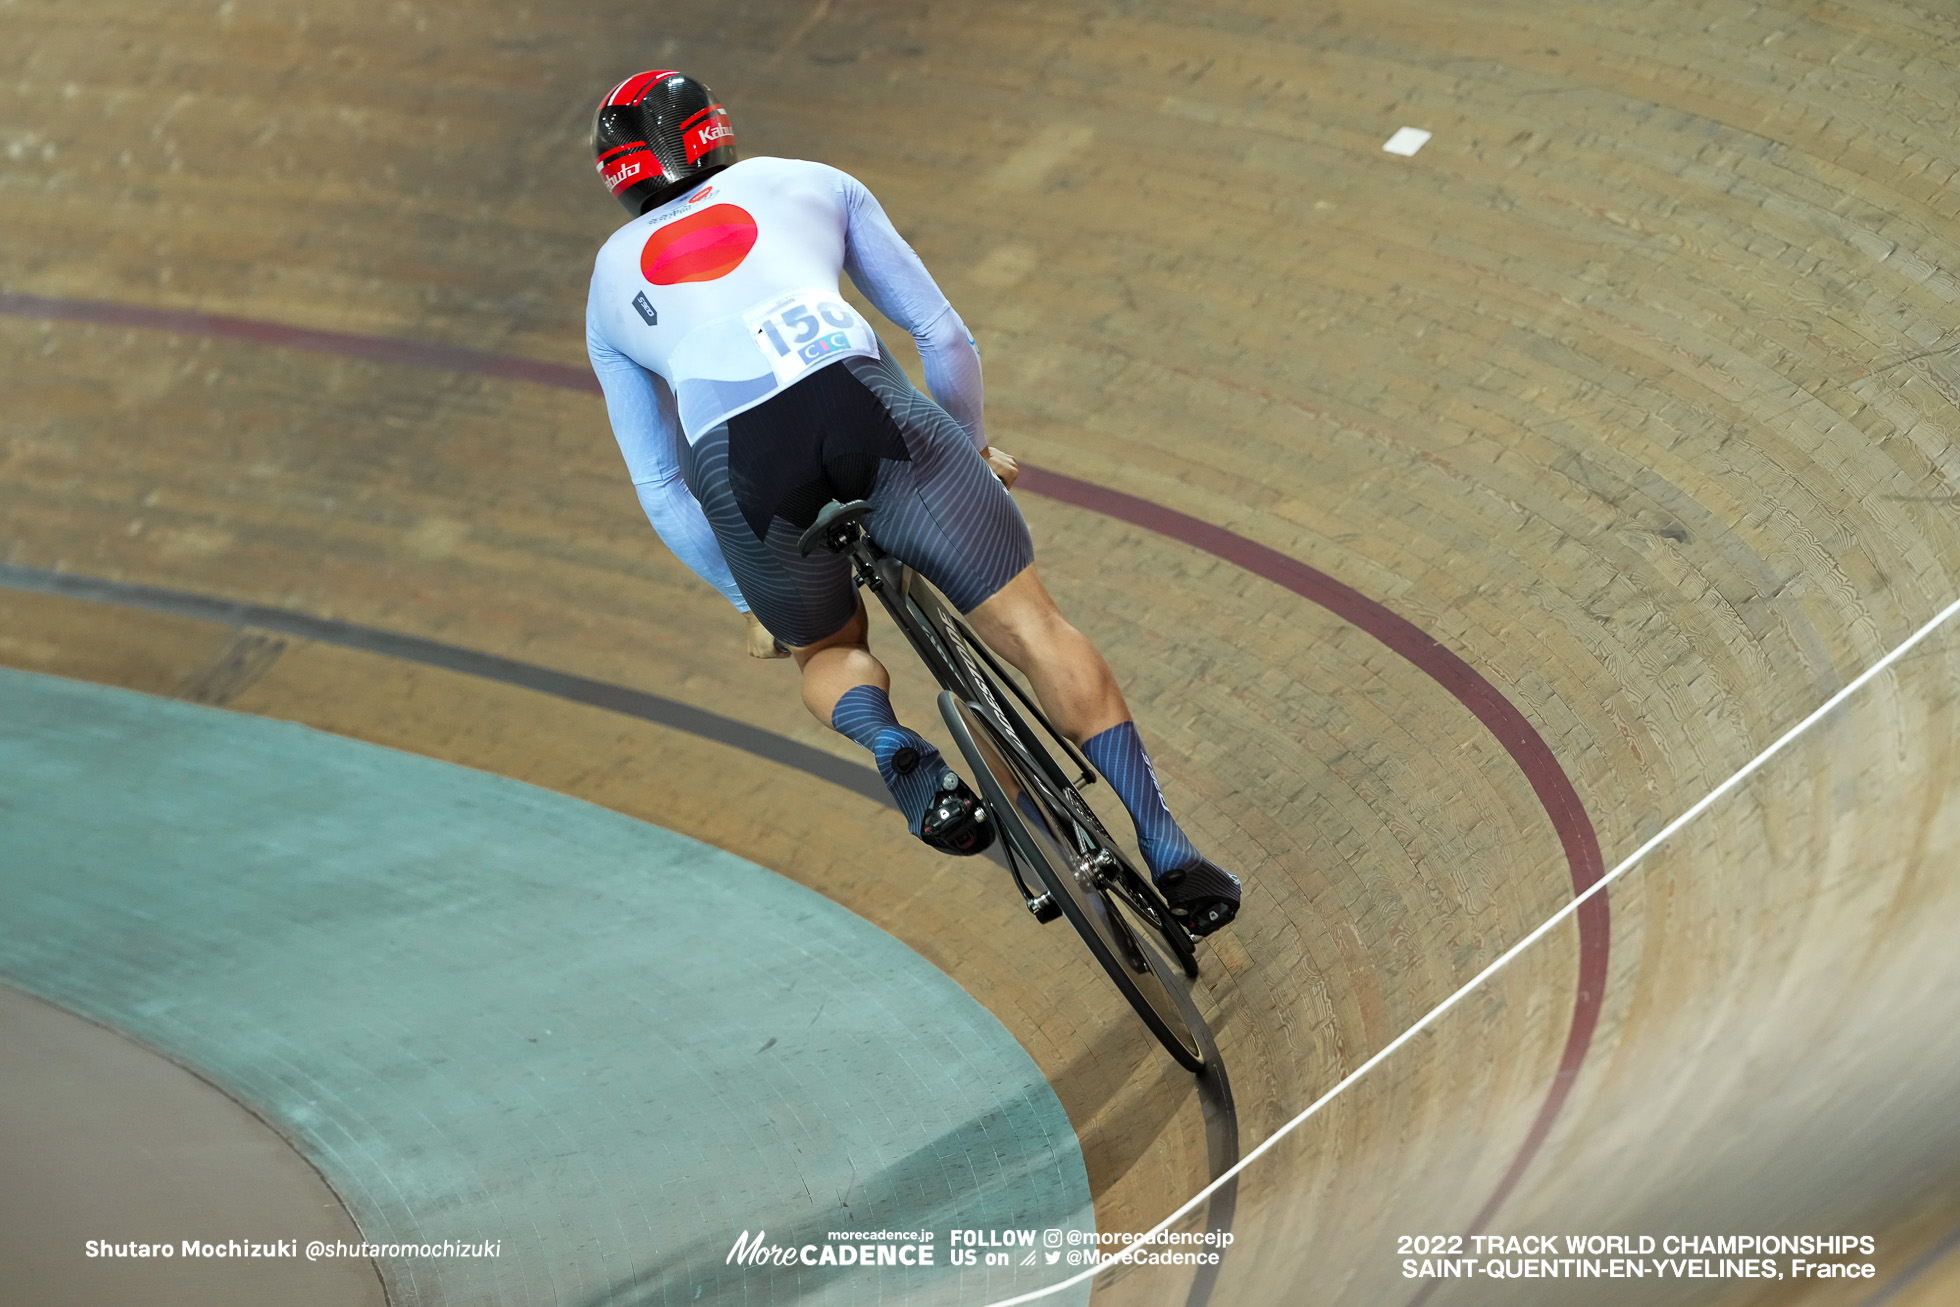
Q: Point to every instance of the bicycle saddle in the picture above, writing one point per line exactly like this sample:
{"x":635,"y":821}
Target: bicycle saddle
{"x":836,"y":528}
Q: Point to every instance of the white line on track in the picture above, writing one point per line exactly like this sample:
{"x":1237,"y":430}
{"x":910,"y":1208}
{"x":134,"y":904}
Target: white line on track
{"x":1429,"y":1018}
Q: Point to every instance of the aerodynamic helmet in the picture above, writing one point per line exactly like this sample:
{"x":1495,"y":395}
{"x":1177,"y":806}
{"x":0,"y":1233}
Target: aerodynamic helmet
{"x":657,"y":133}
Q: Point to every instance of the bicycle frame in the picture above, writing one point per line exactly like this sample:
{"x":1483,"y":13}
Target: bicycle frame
{"x":1041,"y":815}
{"x":892,"y":581}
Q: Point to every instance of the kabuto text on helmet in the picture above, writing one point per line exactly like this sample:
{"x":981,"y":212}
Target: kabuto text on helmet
{"x":657,"y":133}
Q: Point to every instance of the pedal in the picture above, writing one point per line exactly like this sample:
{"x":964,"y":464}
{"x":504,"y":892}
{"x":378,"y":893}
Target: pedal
{"x":1045,"y":908}
{"x":957,"y":822}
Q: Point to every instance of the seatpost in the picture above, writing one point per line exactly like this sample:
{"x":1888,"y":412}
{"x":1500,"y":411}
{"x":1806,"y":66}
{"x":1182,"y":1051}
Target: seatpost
{"x":864,"y":556}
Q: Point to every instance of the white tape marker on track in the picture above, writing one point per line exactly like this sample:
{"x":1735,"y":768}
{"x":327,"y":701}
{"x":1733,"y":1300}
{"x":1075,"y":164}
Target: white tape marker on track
{"x":1407,"y":140}
{"x":1429,"y":1018}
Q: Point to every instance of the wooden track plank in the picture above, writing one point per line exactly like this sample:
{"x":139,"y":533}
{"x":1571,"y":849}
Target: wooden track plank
{"x":1630,"y":388}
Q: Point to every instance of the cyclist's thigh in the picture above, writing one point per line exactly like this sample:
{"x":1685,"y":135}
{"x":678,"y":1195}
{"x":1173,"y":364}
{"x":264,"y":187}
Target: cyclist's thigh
{"x":801,"y":600}
{"x":941,"y":509}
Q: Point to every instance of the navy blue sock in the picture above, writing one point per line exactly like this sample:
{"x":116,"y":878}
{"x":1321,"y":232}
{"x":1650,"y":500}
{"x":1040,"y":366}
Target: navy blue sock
{"x":865,"y":715}
{"x":1118,"y":754}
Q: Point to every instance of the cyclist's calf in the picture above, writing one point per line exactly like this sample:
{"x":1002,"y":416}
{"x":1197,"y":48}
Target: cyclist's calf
{"x":838,"y":662}
{"x":1077,"y":690}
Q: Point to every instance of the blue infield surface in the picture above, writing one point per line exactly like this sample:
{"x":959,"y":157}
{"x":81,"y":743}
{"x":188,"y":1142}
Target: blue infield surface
{"x":488,"y":1012}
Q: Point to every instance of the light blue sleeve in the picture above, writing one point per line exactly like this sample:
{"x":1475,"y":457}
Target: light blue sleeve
{"x":646,"y":425}
{"x":894,"y":279}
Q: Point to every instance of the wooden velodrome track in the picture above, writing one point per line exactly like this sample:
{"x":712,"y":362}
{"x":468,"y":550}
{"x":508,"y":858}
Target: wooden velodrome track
{"x":1634,"y":392}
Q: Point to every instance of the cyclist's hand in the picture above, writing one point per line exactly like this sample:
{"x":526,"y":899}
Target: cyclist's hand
{"x":762,"y":644}
{"x":1004,"y":464}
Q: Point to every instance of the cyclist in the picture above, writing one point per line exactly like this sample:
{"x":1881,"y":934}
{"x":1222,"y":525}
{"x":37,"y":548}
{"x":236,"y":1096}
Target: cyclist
{"x":746,"y":394}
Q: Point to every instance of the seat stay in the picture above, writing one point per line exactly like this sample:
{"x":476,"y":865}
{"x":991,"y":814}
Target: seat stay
{"x":891,"y":581}
{"x":918,"y":611}
{"x":839,"y":528}
{"x":896,"y":589}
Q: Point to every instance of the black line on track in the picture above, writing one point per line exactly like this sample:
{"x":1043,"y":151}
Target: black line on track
{"x":564,"y":685}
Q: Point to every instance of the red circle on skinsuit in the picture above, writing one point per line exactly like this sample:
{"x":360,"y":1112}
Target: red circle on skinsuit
{"x":700,"y":247}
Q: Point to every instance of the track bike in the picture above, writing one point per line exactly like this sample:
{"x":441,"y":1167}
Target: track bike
{"x":1046,"y":829}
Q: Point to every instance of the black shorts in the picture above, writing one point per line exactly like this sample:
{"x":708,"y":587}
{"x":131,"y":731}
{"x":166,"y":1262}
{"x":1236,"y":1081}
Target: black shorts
{"x":857,"y":429}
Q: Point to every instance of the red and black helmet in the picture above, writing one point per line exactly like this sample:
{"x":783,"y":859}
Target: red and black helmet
{"x":657,"y":133}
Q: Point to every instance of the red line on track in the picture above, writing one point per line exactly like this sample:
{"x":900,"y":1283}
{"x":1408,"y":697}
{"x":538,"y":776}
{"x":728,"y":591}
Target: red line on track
{"x":1513,"y":730}
{"x":375,"y":349}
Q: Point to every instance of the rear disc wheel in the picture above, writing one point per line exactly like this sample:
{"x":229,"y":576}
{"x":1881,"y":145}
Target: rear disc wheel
{"x":1116,"y":933}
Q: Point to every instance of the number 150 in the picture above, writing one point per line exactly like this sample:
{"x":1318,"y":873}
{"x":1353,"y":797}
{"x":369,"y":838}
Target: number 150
{"x":799,"y":319}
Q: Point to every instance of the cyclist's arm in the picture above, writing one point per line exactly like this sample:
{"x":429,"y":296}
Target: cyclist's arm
{"x":891,"y":276}
{"x":646,"y":425}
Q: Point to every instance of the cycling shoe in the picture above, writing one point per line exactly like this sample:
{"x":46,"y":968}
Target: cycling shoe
{"x":1202,"y":895}
{"x":956,"y":823}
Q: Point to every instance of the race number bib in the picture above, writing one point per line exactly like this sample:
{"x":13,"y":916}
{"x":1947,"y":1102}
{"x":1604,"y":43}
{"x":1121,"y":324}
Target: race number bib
{"x":807,"y":328}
